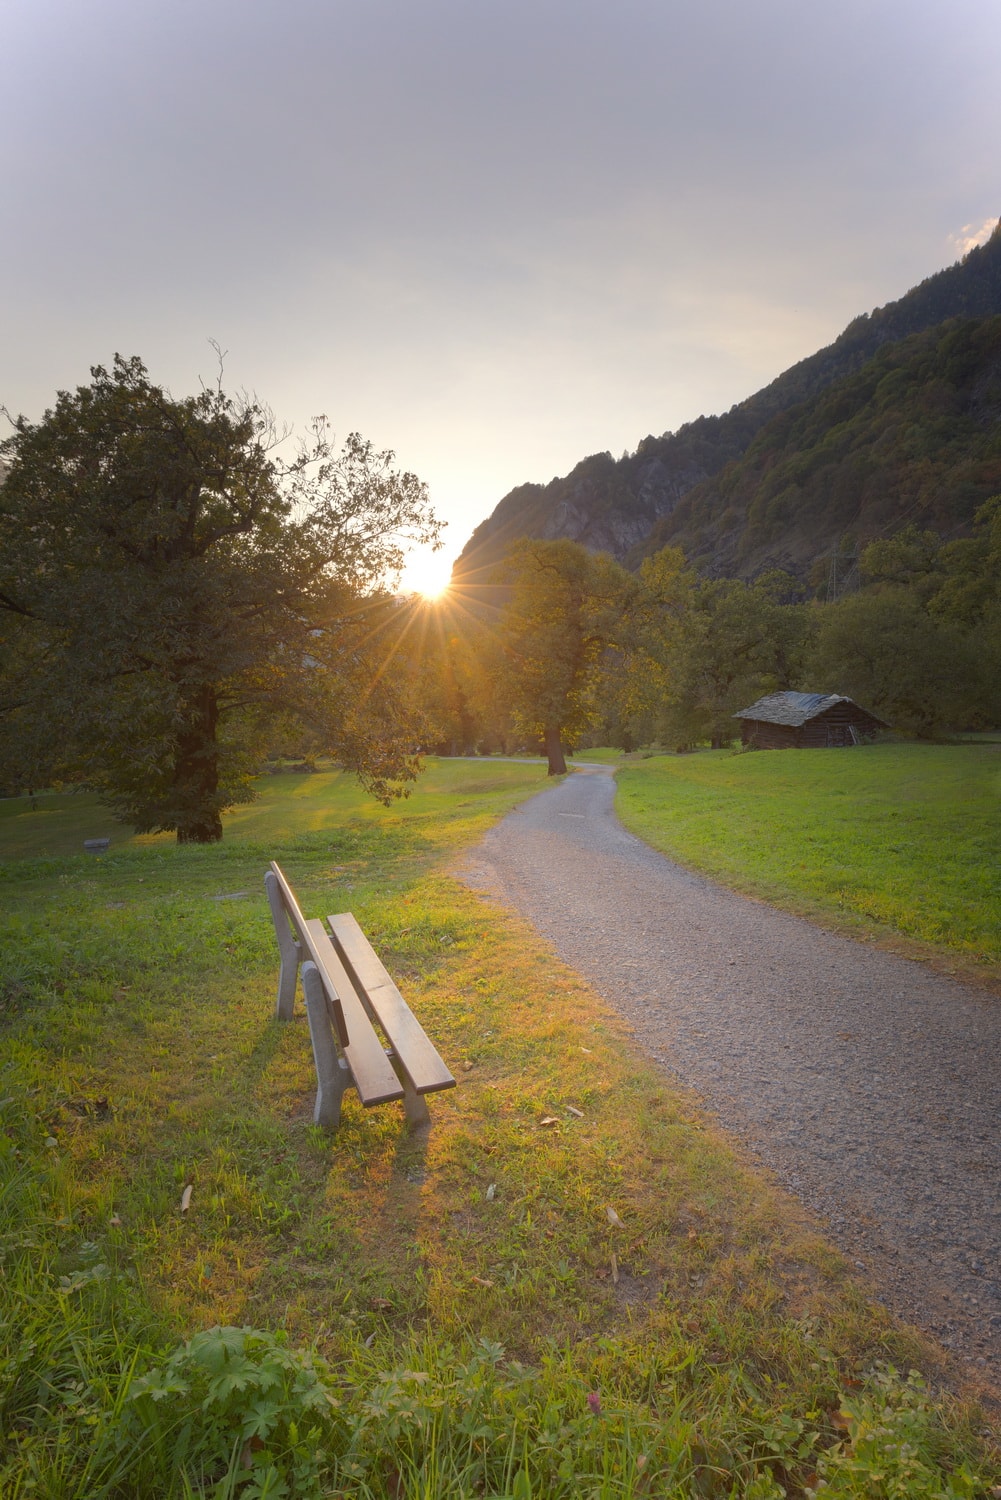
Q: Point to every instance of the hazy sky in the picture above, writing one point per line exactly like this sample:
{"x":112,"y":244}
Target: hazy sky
{"x":496,"y":236}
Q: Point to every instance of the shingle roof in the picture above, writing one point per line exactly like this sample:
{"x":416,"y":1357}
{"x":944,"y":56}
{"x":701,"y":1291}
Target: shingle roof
{"x":792,"y":709}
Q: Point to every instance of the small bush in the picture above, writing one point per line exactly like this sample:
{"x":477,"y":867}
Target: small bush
{"x":233,"y":1411}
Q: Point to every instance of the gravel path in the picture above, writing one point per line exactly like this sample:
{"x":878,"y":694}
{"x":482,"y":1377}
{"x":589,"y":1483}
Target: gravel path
{"x":870,"y":1085}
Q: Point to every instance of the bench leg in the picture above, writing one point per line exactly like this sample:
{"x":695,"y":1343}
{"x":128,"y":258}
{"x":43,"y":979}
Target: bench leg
{"x":415,"y":1107}
{"x":288,"y":948}
{"x":332,"y":1072}
{"x":414,"y":1104}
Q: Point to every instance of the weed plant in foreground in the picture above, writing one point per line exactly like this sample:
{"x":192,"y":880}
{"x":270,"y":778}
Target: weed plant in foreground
{"x":883,"y":840}
{"x":570,"y":1286}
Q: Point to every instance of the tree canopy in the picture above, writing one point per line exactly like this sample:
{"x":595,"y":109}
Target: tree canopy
{"x":568,"y":608}
{"x":171,"y":593}
{"x":921,"y":643}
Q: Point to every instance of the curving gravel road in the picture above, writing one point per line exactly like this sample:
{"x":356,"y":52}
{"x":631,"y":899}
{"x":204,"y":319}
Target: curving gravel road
{"x":870,"y":1085}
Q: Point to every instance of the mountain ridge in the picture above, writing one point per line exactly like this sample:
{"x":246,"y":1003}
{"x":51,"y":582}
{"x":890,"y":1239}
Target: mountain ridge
{"x":626,"y":506}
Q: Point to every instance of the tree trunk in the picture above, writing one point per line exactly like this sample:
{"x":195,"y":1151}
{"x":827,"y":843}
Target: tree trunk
{"x":196,"y":773}
{"x":554,"y":751}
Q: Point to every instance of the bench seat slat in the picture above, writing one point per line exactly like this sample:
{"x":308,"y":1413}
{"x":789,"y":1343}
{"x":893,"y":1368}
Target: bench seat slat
{"x":414,"y":1050}
{"x":373,"y":1073}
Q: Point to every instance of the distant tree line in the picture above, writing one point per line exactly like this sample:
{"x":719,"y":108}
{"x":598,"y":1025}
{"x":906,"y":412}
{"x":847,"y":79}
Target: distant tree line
{"x":178,"y":604}
{"x":584,"y":651}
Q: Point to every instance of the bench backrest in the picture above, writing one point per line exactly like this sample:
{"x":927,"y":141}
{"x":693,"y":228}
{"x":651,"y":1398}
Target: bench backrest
{"x":306,"y":941}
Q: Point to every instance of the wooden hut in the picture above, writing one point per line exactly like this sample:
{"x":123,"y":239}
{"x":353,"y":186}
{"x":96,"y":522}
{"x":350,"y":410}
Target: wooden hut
{"x":805,"y":720}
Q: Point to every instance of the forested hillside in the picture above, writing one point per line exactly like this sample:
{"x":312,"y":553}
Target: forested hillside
{"x":913,"y":438}
{"x":614,"y":505}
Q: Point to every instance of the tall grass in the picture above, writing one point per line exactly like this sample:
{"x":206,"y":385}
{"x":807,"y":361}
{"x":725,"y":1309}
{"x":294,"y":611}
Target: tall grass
{"x":381,"y":1313}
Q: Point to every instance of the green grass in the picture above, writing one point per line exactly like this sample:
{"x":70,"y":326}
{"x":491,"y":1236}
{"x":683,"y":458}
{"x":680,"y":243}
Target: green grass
{"x":885,"y":840}
{"x":604,"y":754}
{"x":459,"y":1294}
{"x":301,"y":806}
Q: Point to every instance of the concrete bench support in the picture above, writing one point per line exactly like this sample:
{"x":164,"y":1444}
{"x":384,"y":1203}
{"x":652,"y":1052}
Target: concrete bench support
{"x":333,"y":1075}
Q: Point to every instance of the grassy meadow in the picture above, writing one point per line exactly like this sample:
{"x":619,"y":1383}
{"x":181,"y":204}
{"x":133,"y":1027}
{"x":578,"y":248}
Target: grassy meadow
{"x":569,"y":1287}
{"x":899,"y":842}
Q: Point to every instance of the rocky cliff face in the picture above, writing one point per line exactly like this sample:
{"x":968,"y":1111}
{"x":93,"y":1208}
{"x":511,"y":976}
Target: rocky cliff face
{"x":625,"y":506}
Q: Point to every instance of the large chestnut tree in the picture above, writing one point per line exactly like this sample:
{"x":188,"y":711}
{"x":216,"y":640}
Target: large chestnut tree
{"x":172,"y":594}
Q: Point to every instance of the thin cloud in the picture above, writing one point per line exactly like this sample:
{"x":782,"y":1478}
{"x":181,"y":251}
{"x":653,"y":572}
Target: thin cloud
{"x":972,"y":235}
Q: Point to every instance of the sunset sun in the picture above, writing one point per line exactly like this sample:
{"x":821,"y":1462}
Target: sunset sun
{"x":426,"y":573}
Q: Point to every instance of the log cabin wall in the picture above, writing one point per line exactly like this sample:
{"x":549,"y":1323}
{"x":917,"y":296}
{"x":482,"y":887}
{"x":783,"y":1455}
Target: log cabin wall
{"x":836,"y":725}
{"x":767,"y":736}
{"x":828,"y":729}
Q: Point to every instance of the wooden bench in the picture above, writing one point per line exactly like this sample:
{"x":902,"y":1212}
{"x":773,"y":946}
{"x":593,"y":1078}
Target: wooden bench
{"x":348,"y":993}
